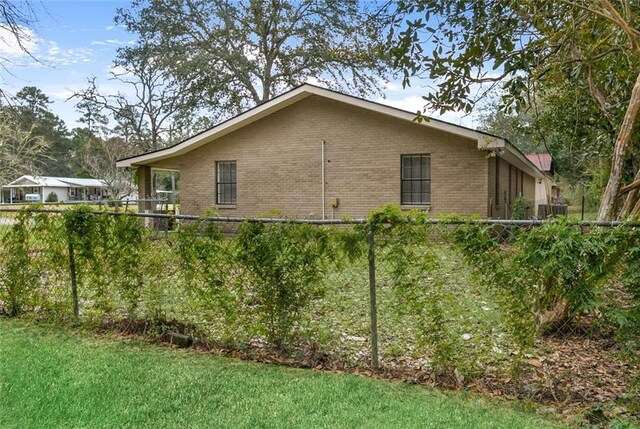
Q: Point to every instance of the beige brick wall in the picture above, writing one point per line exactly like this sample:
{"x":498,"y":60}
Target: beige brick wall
{"x":529,"y":187}
{"x":279,"y":164}
{"x":512,"y":182}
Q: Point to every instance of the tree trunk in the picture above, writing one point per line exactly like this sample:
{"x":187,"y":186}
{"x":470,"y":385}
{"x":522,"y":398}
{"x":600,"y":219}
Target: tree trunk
{"x":636,"y":210}
{"x":629,"y":204}
{"x":632,"y":198}
{"x":608,"y":201}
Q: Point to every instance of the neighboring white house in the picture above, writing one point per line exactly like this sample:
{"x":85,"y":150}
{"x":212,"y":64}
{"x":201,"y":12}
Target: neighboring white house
{"x":38,"y":188}
{"x":547,"y":190}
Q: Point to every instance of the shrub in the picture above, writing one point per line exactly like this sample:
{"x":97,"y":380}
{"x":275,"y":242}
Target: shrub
{"x":207,"y":266}
{"x":30,"y":248}
{"x":127,"y":247}
{"x":484,"y":250}
{"x":108,"y":250}
{"x":549,"y":275}
{"x":406,"y":247}
{"x":285,"y":264}
{"x":21,"y":277}
{"x":521,"y":208}
{"x":52,"y":197}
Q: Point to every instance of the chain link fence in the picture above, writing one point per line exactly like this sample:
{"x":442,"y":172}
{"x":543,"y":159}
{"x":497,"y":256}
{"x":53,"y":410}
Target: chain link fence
{"x":543,"y":310}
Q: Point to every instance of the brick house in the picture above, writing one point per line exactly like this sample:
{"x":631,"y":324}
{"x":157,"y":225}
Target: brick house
{"x":316,"y":153}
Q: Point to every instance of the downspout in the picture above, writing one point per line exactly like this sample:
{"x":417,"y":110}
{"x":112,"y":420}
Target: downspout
{"x":323,"y":191}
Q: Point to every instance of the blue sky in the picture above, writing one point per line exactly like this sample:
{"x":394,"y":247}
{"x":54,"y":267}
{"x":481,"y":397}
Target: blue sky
{"x":77,"y":39}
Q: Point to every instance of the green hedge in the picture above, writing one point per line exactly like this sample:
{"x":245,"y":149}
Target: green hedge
{"x":461,"y":292}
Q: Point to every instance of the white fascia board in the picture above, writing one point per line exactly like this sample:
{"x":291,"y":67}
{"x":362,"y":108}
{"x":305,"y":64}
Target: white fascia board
{"x":509,"y":153}
{"x":16,"y":183}
{"x":486,"y":142}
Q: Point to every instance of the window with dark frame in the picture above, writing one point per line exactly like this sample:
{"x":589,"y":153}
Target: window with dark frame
{"x":416,"y":179}
{"x":226,"y":183}
{"x":521,"y":183}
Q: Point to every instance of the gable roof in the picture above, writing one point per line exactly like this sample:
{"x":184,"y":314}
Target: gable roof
{"x":541,"y":160}
{"x":56,"y":182}
{"x":485,"y":140}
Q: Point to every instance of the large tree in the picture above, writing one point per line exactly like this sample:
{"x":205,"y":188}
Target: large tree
{"x":468,"y":48}
{"x":237,"y":54}
{"x":149,"y":107}
{"x":98,"y":159}
{"x":563,"y":121}
{"x":31,"y":109}
{"x":21,"y":151}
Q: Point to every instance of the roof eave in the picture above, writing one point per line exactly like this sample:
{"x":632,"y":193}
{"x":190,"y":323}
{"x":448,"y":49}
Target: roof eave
{"x":218,"y":131}
{"x":281,"y":102}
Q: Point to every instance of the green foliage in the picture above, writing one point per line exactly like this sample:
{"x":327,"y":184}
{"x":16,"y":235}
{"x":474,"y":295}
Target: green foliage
{"x":569,"y":78}
{"x":126,"y":248}
{"x":514,"y":40}
{"x":207,"y":266}
{"x":560,"y":262}
{"x":410,"y":255}
{"x":80,"y":225}
{"x":285,"y":264}
{"x":21,"y":277}
{"x":481,"y":248}
{"x":452,"y":290}
{"x":279,"y":44}
{"x":29,"y":248}
{"x":550,"y":275}
{"x":522,"y":208}
{"x":52,"y":197}
{"x":29,"y":112}
{"x":626,"y":318}
{"x":108,"y":250}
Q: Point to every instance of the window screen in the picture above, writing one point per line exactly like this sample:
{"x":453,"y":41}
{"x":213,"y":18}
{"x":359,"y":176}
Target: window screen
{"x":416,"y":179}
{"x":226,"y":184}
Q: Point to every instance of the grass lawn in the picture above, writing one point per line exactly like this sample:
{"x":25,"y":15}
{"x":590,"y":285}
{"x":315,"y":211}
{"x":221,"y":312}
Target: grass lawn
{"x":50,"y":379}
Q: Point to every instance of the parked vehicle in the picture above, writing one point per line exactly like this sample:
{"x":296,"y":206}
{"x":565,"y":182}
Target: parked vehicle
{"x":32,"y":198}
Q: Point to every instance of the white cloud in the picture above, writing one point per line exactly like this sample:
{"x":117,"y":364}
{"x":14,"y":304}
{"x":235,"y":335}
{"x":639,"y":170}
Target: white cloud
{"x":415,"y":103}
{"x":63,"y":94}
{"x":460,"y":118}
{"x":391,"y":86}
{"x":110,"y":42}
{"x":14,"y":47}
{"x":118,"y":70}
{"x":411,"y":103}
{"x":53,"y":49}
{"x":57,"y":56}
{"x":312,"y":80}
{"x":45,"y":53}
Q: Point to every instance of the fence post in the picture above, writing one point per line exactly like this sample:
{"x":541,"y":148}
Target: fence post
{"x":372,"y":298}
{"x":74,"y":283}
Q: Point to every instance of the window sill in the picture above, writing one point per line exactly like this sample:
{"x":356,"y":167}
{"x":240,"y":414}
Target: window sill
{"x":226,"y":206}
{"x":425,"y":207}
